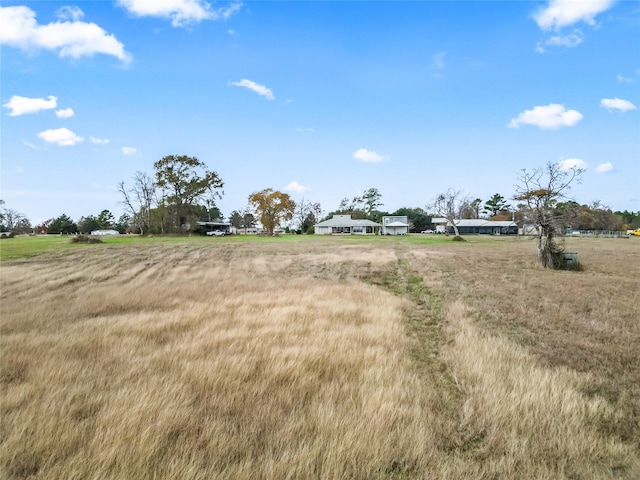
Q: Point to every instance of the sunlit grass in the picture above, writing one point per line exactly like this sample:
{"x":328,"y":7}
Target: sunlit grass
{"x":319,"y":357}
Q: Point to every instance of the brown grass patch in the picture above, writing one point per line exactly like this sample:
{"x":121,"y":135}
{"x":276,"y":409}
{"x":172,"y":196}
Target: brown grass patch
{"x":318,"y":360}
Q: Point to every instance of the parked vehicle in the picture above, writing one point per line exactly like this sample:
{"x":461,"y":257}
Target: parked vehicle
{"x":427,"y":231}
{"x":216,"y":233}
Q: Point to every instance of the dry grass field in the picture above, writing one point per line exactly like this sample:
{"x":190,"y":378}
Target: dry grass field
{"x":324,"y":358}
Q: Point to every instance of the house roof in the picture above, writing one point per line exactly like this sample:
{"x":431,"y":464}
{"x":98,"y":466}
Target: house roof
{"x":346,"y":221}
{"x":396,"y":224}
{"x":436,"y":220}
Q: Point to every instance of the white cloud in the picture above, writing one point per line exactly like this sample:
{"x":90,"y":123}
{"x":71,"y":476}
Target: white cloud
{"x":21,"y":105}
{"x":61,"y":136}
{"x":129,"y":150}
{"x":617,"y":104}
{"x":75,"y":39}
{"x":301,"y":129}
{"x":562,"y":13}
{"x":64,"y":113}
{"x":296,"y":187}
{"x":368,"y":156}
{"x":569,"y":41}
{"x":255,"y":87}
{"x":181,"y":12}
{"x":571,"y":163}
{"x":549,"y":116}
{"x":604,"y":167}
{"x":623,"y":79}
{"x":99,"y":141}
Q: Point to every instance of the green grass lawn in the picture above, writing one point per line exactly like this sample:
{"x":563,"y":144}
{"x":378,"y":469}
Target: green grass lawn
{"x":28,"y":246}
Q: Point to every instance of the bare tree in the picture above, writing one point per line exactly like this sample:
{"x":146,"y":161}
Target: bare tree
{"x":541,"y":189}
{"x":11,"y":220}
{"x":306,"y":214}
{"x":470,"y":209}
{"x":139,"y":200}
{"x":449,"y":205}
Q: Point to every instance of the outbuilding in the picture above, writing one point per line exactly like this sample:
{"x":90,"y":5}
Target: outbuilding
{"x":216,"y":226}
{"x":481,"y":226}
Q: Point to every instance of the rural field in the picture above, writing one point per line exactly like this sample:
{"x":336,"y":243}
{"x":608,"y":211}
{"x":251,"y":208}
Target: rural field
{"x":308,"y":357}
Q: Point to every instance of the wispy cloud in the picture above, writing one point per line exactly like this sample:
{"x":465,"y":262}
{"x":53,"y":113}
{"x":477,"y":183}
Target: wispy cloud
{"x":549,"y":116}
{"x":22,"y":105}
{"x":69,"y":13}
{"x":65,"y":113}
{"x":295,"y":187}
{"x":129,"y":151}
{"x":573,"y":163}
{"x":61,"y":136}
{"x":255,"y":87}
{"x":99,"y":141}
{"x":302,"y":129}
{"x":605,"y":167}
{"x":181,"y":12}
{"x":623,"y":79}
{"x":368,"y":156}
{"x":30,"y":145}
{"x":70,"y":38}
{"x":437,"y":60}
{"x":570,"y":41}
{"x":562,"y":13}
{"x":617,"y":104}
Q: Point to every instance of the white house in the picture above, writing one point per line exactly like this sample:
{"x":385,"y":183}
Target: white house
{"x":395,"y":225}
{"x":345,"y":225}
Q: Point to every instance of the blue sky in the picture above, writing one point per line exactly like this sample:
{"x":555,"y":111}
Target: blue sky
{"x":320,"y":99}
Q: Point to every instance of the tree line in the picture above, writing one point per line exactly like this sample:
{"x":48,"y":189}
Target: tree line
{"x":183,"y":191}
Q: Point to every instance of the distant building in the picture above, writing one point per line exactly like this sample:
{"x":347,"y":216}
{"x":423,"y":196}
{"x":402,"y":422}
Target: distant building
{"x":246,"y":231}
{"x":345,"y":225}
{"x":487,"y":227}
{"x":395,"y":225}
{"x":439,"y":224}
{"x":105,"y":232}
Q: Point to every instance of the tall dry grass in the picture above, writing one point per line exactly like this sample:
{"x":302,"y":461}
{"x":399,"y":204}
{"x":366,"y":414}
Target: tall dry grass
{"x":322,"y":359}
